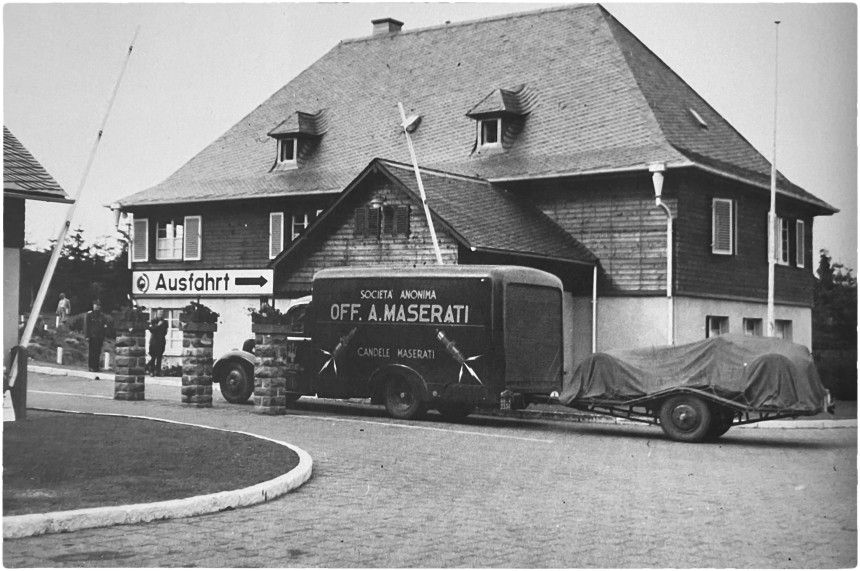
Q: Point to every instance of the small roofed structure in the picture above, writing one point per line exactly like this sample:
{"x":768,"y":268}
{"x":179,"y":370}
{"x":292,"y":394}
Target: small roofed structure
{"x":24,"y":178}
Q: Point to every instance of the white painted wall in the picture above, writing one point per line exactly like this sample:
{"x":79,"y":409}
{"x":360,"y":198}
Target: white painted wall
{"x":628,"y":322}
{"x":234,"y":319}
{"x":11,"y":278}
{"x":691,"y":313}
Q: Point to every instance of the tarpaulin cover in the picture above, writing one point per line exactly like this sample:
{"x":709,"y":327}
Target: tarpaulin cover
{"x":759,"y":373}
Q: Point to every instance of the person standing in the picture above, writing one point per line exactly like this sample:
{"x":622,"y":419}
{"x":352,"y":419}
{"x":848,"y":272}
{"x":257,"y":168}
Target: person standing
{"x":157,"y":342}
{"x":95,"y":326}
{"x":64,"y":309}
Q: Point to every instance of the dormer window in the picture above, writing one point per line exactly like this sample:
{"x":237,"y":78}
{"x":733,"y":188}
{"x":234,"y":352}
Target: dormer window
{"x":500,"y":117}
{"x":490,"y":132}
{"x":287,"y":150}
{"x":298,"y":136}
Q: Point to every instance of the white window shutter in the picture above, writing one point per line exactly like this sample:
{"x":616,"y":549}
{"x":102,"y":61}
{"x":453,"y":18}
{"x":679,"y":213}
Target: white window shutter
{"x":192,"y":237}
{"x":800,"y":256}
{"x":276,"y":234}
{"x":723,"y":227}
{"x":140,"y":240}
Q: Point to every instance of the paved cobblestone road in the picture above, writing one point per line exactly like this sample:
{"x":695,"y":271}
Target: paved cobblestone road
{"x":491,"y":492}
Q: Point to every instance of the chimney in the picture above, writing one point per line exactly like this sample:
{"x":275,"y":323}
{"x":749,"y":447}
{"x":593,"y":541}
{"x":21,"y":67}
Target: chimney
{"x":386,"y":26}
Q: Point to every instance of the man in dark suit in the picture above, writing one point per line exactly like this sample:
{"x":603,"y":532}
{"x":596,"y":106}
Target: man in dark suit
{"x":95,"y":325}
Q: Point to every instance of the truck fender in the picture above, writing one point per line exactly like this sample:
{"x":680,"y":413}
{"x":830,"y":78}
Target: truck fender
{"x":381,"y":375}
{"x":236,"y":355}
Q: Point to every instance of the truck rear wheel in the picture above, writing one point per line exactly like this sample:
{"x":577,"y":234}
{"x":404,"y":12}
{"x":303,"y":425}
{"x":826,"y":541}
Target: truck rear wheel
{"x":455,"y":411}
{"x":402,"y":399}
{"x":236,"y":385}
{"x":685,"y":418}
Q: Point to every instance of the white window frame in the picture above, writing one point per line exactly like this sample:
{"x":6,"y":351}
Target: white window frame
{"x":800,"y":238}
{"x":782,"y":329}
{"x":282,"y":145}
{"x":144,"y":224}
{"x":783,"y":239}
{"x":169,"y":247}
{"x":198,"y":236}
{"x":276,"y":234}
{"x":716,"y":325}
{"x":715,"y":219}
{"x":753,"y":326}
{"x":173,"y":341}
{"x":482,"y":140}
{"x":300,"y":222}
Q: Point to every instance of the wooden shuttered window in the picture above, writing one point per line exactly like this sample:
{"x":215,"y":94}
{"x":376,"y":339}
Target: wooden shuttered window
{"x":723,"y":226}
{"x":800,"y":255}
{"x":191,"y":249}
{"x":395,"y":221}
{"x":276,"y":233}
{"x":389,"y":221}
{"x":140,"y":240}
{"x":367,"y":222}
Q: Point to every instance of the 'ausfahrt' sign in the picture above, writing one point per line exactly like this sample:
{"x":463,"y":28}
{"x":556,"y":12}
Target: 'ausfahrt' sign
{"x":243,"y":282}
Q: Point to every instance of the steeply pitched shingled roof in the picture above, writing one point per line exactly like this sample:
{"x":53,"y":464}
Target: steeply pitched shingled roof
{"x":601,"y":102}
{"x":479,"y":215}
{"x":24,"y":176}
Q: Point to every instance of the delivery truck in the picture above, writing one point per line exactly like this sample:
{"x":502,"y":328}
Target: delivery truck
{"x":450,"y":338}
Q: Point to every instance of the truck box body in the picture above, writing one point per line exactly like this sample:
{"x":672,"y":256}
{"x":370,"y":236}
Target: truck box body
{"x":463,"y":333}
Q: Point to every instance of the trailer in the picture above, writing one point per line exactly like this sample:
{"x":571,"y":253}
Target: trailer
{"x":698,"y":391}
{"x":450,"y":338}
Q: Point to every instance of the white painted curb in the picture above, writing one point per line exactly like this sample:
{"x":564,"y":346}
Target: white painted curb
{"x":56,"y":522}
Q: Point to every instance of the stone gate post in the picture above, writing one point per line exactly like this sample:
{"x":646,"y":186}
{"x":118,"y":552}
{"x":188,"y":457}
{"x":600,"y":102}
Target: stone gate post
{"x":199,"y":325}
{"x":130,"y":365}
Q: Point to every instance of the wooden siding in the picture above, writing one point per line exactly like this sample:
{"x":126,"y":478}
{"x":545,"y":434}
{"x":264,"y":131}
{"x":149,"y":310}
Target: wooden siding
{"x":13,"y":222}
{"x":744,"y":274}
{"x":617,"y":220}
{"x":234,"y":235}
{"x":336,"y":244}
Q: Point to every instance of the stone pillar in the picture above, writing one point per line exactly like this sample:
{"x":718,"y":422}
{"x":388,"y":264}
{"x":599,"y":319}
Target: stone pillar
{"x":270,"y":383}
{"x":197,"y":339}
{"x":130,"y":365}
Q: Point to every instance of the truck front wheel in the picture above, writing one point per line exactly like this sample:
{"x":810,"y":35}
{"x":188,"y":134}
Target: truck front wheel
{"x":237,"y":385}
{"x":402,"y":399}
{"x":685,"y":418}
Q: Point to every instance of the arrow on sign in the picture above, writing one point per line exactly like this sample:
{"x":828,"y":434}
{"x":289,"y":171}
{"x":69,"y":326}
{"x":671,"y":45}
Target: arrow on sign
{"x":260,"y":281}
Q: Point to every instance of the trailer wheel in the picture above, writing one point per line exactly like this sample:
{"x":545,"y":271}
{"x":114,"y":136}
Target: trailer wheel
{"x":685,"y":418}
{"x":455,"y":411}
{"x":236,"y":385}
{"x":402,"y":399}
{"x":721,"y":423}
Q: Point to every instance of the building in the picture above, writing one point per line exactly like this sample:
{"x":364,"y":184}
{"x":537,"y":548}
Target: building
{"x":23,"y":179}
{"x":542,"y":138}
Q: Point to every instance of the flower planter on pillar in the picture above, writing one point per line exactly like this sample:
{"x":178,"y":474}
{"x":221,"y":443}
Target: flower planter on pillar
{"x":130,"y":365}
{"x":198,"y":331}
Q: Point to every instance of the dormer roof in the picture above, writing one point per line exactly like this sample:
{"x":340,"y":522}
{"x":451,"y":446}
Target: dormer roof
{"x":300,"y":124}
{"x":504,"y":102}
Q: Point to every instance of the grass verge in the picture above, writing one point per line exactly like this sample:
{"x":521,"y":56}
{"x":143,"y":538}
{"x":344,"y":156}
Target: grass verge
{"x":63,"y":461}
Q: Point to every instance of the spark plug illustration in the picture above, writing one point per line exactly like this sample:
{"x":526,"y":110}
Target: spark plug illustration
{"x":458,"y":356}
{"x":338,"y":351}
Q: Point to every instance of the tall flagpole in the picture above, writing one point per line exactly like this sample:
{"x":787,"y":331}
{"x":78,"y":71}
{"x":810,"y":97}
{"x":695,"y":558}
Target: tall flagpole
{"x":771,"y":218}
{"x":64,"y":229}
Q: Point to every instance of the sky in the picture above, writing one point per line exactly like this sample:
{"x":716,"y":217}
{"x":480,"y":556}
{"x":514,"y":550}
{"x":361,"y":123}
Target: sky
{"x":197,"y":69}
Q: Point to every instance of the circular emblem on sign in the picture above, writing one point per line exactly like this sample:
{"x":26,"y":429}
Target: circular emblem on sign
{"x":142,"y":283}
